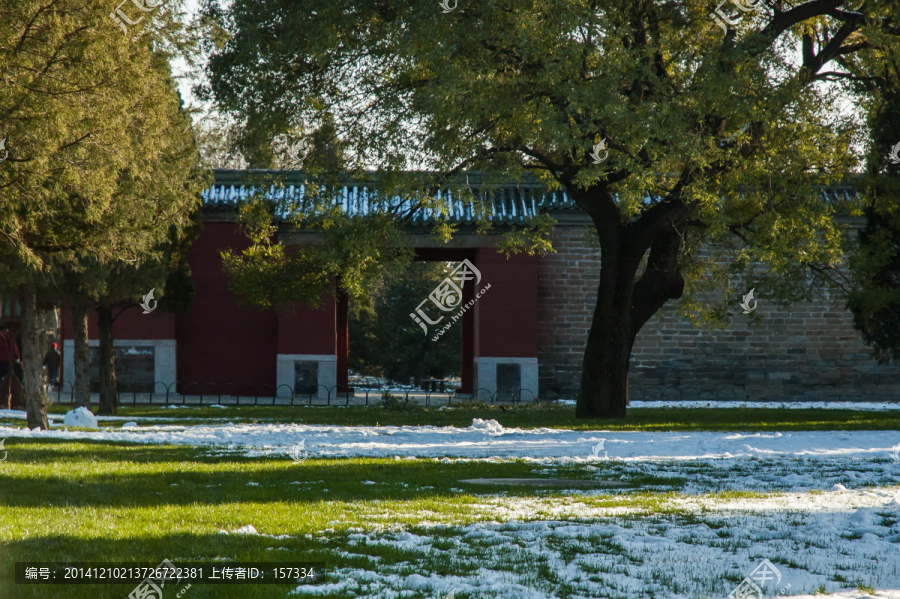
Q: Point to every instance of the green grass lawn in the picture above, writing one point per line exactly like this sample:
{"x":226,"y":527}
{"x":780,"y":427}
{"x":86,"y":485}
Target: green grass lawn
{"x":103,"y":502}
{"x":539,"y":416}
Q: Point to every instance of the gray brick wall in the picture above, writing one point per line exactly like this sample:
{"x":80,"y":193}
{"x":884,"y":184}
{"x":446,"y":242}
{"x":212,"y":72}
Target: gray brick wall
{"x":811,"y":352}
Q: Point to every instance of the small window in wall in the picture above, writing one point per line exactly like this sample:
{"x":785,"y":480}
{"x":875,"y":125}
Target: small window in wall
{"x":306,"y":378}
{"x":134,"y":369}
{"x":509,"y":377}
{"x":8,"y":310}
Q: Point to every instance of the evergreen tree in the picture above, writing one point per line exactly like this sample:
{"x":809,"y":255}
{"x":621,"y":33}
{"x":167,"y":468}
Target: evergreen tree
{"x":875,"y":259}
{"x":102,"y":161}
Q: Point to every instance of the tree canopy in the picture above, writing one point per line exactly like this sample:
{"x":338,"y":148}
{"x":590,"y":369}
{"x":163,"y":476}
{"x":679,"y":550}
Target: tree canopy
{"x":875,"y":259}
{"x":102,"y":163}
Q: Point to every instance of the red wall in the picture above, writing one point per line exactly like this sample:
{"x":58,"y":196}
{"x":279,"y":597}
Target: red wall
{"x":303,"y":330}
{"x":132,"y":324}
{"x":506,"y":314}
{"x":219,"y":342}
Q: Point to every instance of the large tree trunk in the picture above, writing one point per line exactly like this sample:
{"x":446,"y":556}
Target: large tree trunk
{"x":82,"y":355}
{"x":108,"y":391}
{"x":607,"y":355}
{"x":625,"y":303}
{"x":35,"y":399}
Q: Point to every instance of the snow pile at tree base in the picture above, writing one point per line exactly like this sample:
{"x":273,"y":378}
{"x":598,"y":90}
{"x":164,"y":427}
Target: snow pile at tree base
{"x":80,"y":417}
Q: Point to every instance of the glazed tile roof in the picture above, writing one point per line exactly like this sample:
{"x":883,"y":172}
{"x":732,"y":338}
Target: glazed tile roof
{"x":509,"y":203}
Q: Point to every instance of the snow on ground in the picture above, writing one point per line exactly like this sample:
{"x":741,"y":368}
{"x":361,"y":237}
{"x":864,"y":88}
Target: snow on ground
{"x":542,"y":548}
{"x":487,"y":438}
{"x":703,"y":553}
{"x":20,"y":415}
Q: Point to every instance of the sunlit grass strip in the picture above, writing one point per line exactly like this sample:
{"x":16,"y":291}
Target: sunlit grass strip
{"x":527,"y":416}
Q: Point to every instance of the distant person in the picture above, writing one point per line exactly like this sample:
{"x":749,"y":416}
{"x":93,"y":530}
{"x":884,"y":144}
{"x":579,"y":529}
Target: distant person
{"x":5,"y":343}
{"x":51,"y":361}
{"x":19,"y":365}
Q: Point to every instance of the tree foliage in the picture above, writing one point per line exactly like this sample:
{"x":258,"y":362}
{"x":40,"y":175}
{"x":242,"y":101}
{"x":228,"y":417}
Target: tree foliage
{"x":102,"y":163}
{"x":875,"y":261}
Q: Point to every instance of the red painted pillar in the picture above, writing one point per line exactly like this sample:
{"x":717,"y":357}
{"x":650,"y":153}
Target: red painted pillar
{"x":342,"y":334}
{"x":62,"y":345}
{"x":468,"y":341}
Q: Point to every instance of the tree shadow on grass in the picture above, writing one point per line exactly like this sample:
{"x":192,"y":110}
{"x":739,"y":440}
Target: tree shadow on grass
{"x":102,"y":475}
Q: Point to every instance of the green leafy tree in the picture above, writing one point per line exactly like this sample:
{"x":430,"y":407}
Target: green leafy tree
{"x":102,"y":161}
{"x":668,"y":132}
{"x":350,"y":252}
{"x":875,"y":262}
{"x":385,"y":342}
{"x":167,"y":272}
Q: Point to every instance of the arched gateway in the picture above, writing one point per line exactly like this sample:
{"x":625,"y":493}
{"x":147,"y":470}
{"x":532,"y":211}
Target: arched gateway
{"x":530,"y":324}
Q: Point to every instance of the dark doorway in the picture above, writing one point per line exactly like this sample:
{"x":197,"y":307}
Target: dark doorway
{"x":385,"y":342}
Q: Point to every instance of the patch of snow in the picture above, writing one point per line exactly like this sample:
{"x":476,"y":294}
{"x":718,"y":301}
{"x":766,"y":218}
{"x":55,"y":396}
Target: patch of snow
{"x":807,"y":536}
{"x":490,"y":427}
{"x":21,"y":415}
{"x":130,"y":425}
{"x":488,"y":440}
{"x":80,"y":417}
